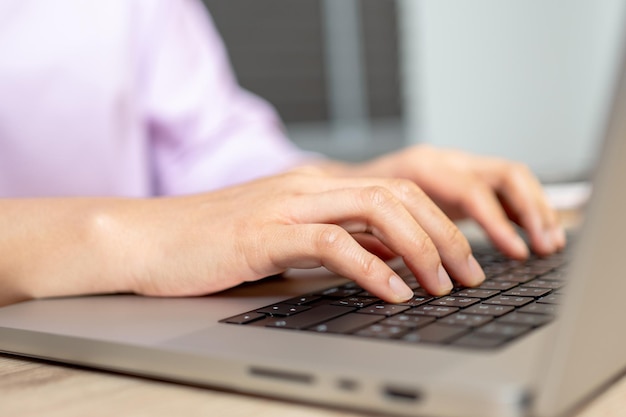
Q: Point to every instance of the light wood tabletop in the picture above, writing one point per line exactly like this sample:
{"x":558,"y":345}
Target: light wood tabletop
{"x":37,"y":388}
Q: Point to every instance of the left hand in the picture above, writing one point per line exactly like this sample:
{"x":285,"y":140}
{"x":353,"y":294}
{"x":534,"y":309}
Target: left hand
{"x":493,"y":191}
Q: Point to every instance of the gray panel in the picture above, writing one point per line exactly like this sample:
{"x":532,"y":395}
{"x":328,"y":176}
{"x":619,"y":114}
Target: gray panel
{"x":380,"y":31}
{"x":277,"y":51}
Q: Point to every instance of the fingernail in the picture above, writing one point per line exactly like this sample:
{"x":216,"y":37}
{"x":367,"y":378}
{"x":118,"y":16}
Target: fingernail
{"x":399,"y":288}
{"x":478,"y":275}
{"x":445,"y":283}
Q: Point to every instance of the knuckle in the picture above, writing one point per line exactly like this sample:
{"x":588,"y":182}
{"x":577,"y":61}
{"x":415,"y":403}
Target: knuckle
{"x":330,"y":238}
{"x":406,"y":188}
{"x":378,"y":197}
{"x":425,"y":246}
{"x":368,"y":265}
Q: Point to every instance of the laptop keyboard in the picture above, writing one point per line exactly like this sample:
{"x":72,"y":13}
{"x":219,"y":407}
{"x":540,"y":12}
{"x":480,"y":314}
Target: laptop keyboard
{"x":516,"y":298}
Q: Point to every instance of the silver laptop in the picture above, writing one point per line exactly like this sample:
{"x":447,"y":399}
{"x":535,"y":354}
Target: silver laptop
{"x":534,"y":340}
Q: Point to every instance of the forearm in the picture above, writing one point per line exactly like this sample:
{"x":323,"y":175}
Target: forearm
{"x":53,"y":247}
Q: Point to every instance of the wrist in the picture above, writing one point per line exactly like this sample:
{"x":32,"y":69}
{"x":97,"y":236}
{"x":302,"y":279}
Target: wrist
{"x":82,"y":250}
{"x":117,"y":246}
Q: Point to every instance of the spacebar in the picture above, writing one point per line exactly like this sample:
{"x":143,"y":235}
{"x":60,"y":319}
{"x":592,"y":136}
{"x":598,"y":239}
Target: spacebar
{"x":310,"y":317}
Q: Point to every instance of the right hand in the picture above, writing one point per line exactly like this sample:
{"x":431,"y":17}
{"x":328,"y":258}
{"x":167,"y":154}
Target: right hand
{"x":201,"y":244}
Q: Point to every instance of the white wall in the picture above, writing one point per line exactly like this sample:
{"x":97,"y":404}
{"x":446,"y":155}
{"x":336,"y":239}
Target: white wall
{"x":524,"y":79}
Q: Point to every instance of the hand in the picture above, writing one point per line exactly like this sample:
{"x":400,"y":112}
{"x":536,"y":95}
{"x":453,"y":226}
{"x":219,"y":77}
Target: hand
{"x":204,"y":243}
{"x":492,"y":191}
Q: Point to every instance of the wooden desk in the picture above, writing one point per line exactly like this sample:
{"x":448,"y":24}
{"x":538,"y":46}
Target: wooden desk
{"x":33,"y":388}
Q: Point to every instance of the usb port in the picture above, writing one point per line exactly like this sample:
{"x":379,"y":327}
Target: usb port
{"x":405,"y":394}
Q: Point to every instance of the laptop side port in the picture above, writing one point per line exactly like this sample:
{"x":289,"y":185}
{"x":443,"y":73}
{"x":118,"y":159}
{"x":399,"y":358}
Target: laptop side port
{"x":281,"y":375}
{"x":405,"y":394}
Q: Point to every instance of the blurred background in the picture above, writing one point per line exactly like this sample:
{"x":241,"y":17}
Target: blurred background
{"x":527,"y":80}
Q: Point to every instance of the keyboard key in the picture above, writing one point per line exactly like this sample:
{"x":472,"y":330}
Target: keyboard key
{"x":346,"y":324}
{"x":434,"y":311}
{"x":420,"y":292}
{"x":527,"y":292}
{"x":538,"y":308}
{"x":553,"y":261}
{"x":497,"y":285}
{"x":410,"y":321}
{"x":502,"y":330}
{"x":384,"y":309}
{"x":476,"y":293}
{"x":526,"y":319}
{"x":340,"y":292}
{"x":282,"y":310}
{"x":555,"y":275}
{"x":434,"y":333}
{"x":310,"y":317}
{"x":417,"y":301}
{"x":545,"y":283}
{"x":383,"y":332}
{"x":489,"y":310}
{"x":460,"y":302}
{"x":551,"y":299}
{"x":305,"y":299}
{"x":245,"y":318}
{"x":465,"y":320}
{"x":517,"y":277}
{"x":532,"y":269}
{"x":358,"y":302}
{"x":509,"y":301}
{"x":495,"y":269}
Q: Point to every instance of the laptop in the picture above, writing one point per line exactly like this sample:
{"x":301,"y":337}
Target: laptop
{"x":550,"y":342}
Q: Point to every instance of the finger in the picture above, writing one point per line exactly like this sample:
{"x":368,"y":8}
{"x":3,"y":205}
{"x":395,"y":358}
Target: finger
{"x":453,"y":247}
{"x":375,"y":210}
{"x":481,"y":203}
{"x":523,"y":194}
{"x":412,"y":226}
{"x":313,"y":245}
